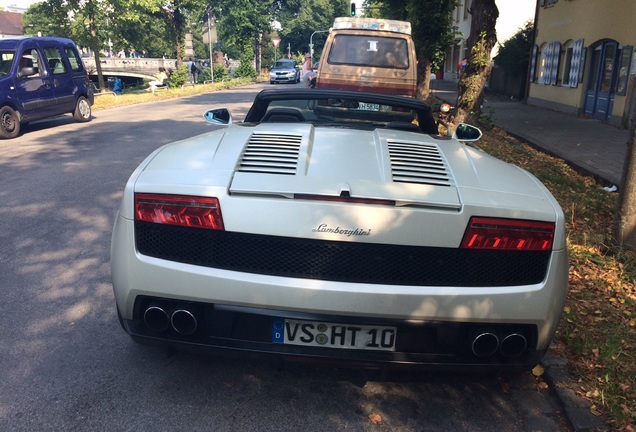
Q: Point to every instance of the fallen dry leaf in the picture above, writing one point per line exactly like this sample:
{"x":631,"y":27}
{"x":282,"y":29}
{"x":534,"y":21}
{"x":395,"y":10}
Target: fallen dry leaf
{"x":375,"y":418}
{"x":538,"y":370}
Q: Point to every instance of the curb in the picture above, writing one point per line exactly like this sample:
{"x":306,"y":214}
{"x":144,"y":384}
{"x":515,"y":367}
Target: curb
{"x":576,"y":409}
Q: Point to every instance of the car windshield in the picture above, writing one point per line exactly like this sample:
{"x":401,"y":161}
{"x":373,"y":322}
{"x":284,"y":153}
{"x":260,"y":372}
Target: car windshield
{"x":347,"y":110}
{"x":6,"y":60}
{"x":284,"y":64}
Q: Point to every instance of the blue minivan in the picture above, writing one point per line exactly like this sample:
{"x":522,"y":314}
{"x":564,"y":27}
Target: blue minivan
{"x":41,"y":77}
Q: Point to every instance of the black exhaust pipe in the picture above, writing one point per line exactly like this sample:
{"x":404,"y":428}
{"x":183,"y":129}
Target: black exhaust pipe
{"x":156,"y":317}
{"x":484,"y":342}
{"x":184,"y":320}
{"x":513,"y":345}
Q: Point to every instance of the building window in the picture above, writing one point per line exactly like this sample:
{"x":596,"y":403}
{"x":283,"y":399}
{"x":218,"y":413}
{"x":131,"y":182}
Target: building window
{"x":566,"y":64}
{"x":623,"y":69}
{"x":467,"y":4}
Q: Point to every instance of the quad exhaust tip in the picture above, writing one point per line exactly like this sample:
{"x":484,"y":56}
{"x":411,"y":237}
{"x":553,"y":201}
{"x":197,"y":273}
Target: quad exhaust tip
{"x":486,"y":342}
{"x":182,"y":319}
{"x":156,"y":318}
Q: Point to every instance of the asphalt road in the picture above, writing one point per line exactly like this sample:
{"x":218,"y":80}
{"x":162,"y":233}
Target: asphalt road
{"x":66,"y":364}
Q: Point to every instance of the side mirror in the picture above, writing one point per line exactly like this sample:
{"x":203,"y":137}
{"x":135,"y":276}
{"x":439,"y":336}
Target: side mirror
{"x":219,"y":116}
{"x":26,"y":71}
{"x":466,"y":133}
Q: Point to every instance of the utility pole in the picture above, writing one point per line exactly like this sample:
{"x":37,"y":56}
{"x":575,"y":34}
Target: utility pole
{"x":211,"y":19}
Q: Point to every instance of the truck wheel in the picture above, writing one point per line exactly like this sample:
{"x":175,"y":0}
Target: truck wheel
{"x":9,"y":123}
{"x":82,"y":111}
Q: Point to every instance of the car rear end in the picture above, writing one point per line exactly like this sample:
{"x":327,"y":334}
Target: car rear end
{"x":419,"y":270}
{"x":370,"y":55}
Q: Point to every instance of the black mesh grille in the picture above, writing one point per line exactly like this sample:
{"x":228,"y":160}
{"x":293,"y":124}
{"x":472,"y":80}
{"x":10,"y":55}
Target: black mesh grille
{"x":340,"y":261}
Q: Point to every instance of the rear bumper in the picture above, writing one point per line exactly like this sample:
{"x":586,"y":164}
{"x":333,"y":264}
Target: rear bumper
{"x":440,"y":322}
{"x":223,"y":329}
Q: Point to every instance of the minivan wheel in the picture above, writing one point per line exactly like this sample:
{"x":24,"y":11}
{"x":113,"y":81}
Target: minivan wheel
{"x":9,"y":123}
{"x":82,"y":111}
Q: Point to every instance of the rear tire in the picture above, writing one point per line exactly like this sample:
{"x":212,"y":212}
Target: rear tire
{"x":9,"y":123}
{"x":82,"y":111}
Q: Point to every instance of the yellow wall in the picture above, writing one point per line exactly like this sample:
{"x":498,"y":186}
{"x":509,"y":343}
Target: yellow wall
{"x":592,"y":19}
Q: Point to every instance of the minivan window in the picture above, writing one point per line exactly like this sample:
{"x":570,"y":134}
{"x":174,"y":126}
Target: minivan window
{"x":369,"y":50}
{"x":31,"y":58}
{"x":54,"y":58}
{"x":6,"y":60}
{"x":74,"y":60}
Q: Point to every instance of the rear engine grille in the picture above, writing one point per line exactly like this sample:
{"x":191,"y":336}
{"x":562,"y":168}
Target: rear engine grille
{"x":417,"y":163}
{"x":271,"y":154}
{"x":340,"y":261}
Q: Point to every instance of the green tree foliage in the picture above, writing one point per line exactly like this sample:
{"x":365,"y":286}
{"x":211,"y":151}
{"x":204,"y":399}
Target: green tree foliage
{"x":514,"y":54}
{"x":300,"y":18}
{"x":432,"y":30}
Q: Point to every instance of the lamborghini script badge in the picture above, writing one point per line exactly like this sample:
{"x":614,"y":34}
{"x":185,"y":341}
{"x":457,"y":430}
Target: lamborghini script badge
{"x":324,"y":228}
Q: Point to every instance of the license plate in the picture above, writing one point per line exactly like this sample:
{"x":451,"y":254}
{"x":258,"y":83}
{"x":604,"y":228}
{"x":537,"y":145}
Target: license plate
{"x":333,"y":335}
{"x":368,"y":107}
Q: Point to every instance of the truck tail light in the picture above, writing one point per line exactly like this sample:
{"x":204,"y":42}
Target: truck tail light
{"x":186,"y":211}
{"x":508,"y":234}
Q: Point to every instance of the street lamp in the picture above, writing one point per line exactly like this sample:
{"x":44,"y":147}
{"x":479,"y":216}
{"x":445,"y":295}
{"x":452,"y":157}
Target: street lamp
{"x":311,"y":44}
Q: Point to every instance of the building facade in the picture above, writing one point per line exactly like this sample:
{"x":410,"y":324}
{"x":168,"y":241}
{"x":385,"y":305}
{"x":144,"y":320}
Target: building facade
{"x":461,"y":20}
{"x":583,"y":58}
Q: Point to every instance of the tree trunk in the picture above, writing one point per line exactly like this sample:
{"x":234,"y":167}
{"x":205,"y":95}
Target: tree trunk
{"x":95,"y":48}
{"x":625,"y":220}
{"x":480,"y":43}
{"x":423,"y":75}
{"x":257,"y":54}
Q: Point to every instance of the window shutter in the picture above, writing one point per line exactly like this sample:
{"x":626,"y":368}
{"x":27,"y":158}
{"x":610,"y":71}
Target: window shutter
{"x":546,"y":67}
{"x":533,"y":65}
{"x":554,"y":68}
{"x":577,"y":62}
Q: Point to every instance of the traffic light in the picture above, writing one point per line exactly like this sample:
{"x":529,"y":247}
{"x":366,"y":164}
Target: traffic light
{"x":353,"y":9}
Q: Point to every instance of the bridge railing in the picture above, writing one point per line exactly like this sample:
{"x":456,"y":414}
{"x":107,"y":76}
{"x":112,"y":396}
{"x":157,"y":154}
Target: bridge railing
{"x":150,"y":65}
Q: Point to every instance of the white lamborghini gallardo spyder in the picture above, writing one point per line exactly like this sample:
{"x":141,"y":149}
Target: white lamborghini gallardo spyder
{"x":340,"y":226}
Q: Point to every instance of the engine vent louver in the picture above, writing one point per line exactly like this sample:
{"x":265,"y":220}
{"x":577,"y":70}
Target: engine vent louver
{"x":417,"y":163}
{"x":271,"y":154}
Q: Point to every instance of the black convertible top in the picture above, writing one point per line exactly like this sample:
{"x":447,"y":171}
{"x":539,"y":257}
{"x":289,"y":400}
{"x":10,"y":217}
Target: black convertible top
{"x":263,"y":100}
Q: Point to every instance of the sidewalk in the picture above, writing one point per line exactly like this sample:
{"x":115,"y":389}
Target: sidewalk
{"x":590,"y":146}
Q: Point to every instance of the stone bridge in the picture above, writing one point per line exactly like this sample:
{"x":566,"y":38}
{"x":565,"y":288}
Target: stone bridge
{"x":129,"y":67}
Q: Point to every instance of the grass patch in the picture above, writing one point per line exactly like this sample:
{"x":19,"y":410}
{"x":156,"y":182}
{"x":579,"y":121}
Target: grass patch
{"x":597,"y":332}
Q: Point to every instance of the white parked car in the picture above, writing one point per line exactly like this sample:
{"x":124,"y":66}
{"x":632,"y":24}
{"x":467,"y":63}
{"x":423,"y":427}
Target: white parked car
{"x":342,"y":226}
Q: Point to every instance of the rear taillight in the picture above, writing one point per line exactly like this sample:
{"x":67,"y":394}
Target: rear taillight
{"x":187,"y":211}
{"x":508,"y":234}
